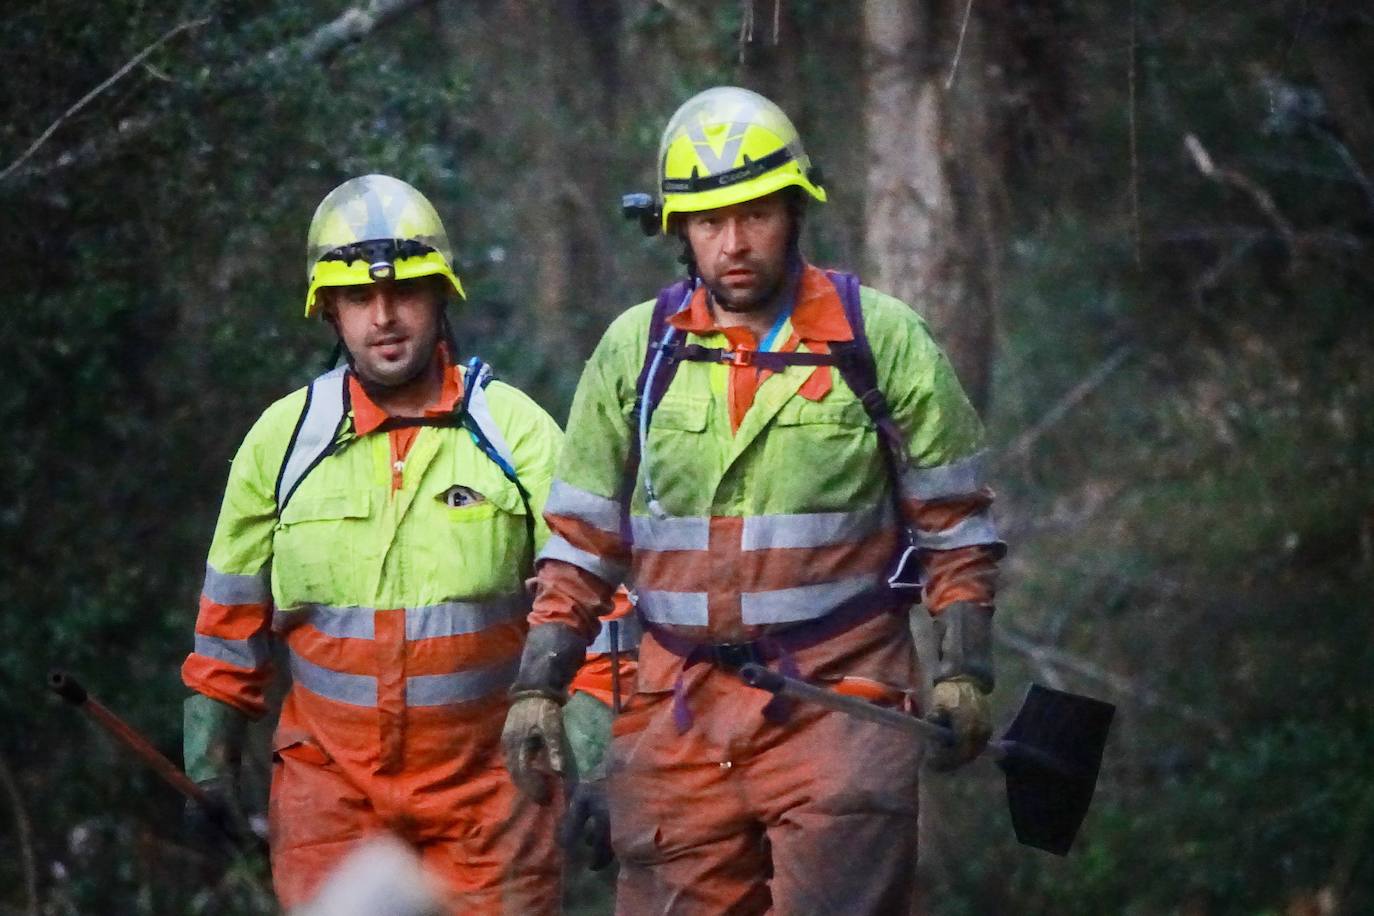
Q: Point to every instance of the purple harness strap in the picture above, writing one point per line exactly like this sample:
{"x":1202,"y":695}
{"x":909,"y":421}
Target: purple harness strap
{"x":778,"y":647}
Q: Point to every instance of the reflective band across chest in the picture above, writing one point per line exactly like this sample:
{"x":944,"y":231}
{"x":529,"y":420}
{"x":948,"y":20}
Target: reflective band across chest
{"x":421,"y":690}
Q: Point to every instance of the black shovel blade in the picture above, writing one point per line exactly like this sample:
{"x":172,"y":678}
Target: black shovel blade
{"x":1052,"y":754}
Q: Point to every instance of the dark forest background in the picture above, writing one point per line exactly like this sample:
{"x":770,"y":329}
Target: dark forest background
{"x":1143,"y":229}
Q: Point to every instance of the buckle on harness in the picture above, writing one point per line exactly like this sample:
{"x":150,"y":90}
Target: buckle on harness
{"x":732,"y":656}
{"x":906,"y":573}
{"x":738,"y":357}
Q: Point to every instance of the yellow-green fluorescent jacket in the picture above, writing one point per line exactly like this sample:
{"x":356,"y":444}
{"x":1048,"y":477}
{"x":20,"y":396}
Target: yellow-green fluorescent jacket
{"x":402,"y":610}
{"x":780,"y":522}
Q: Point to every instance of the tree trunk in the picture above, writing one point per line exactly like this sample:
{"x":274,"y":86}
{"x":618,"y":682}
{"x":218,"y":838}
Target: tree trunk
{"x":929,"y":217}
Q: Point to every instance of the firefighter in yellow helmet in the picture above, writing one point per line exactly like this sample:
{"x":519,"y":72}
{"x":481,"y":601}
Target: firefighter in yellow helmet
{"x":800,"y":468}
{"x":380,"y":524}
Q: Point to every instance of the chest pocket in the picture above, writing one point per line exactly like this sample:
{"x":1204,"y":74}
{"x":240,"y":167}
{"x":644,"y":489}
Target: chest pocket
{"x":319,"y":544}
{"x":472,"y":530}
{"x":681,"y":413}
{"x":836,"y":442}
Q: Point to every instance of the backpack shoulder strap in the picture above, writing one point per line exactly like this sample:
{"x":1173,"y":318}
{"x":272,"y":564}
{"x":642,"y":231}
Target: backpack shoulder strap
{"x":316,"y":434}
{"x":475,"y":416}
{"x":671,"y":299}
{"x":854,"y":359}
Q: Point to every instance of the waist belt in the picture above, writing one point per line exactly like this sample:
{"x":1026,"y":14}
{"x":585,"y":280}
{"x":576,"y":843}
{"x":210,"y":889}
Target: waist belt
{"x":732,"y":656}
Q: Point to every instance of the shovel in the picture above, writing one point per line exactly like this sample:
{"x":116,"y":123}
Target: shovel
{"x":1050,"y":755}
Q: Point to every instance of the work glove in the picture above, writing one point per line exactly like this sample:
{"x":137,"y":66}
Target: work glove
{"x":963,"y":678}
{"x":533,"y":736}
{"x":212,"y":748}
{"x":587,"y":822}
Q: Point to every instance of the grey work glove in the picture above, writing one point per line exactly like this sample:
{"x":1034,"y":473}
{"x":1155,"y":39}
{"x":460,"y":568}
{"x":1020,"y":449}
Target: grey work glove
{"x":212,"y":747}
{"x":533,"y":736}
{"x":963,"y":679}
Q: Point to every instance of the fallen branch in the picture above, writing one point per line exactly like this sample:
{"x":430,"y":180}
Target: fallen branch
{"x":1041,"y":654}
{"x":94,"y":93}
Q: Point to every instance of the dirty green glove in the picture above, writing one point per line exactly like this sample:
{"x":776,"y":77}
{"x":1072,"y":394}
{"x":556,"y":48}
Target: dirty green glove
{"x":212,"y":746}
{"x":533,"y":737}
{"x":963,"y":679}
{"x":587,"y":821}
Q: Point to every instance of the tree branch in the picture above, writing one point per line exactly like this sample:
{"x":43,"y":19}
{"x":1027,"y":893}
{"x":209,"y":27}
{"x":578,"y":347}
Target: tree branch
{"x":23,"y":832}
{"x":349,"y":27}
{"x":91,"y":96}
{"x":1068,"y":402}
{"x":1262,"y":198}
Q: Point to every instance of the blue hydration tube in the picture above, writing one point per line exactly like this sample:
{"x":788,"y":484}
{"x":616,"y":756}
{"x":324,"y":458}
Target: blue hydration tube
{"x":650,"y":495}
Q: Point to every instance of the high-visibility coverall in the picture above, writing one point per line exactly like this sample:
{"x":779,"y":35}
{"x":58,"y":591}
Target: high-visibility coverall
{"x":778,"y":510}
{"x":395,"y":578}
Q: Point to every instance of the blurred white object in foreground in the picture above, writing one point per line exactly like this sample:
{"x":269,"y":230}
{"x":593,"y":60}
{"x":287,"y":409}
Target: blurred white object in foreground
{"x":382,"y":877}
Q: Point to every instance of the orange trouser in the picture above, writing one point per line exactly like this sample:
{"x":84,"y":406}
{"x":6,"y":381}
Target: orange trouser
{"x":469,"y":825}
{"x":814,"y":815}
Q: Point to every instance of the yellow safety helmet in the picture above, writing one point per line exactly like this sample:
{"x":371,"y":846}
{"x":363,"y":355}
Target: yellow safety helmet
{"x":375,"y":228}
{"x":728,"y":145}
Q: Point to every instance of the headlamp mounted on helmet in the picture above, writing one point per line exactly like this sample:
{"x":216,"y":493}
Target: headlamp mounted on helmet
{"x":380,"y":255}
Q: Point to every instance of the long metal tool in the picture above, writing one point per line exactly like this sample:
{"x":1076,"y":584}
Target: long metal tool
{"x":1050,"y":755}
{"x":69,"y":689}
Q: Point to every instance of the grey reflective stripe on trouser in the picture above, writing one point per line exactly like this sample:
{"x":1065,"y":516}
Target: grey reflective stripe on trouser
{"x":629,"y":628}
{"x":814,"y":529}
{"x":971,"y":531}
{"x":252,"y":652}
{"x":958,"y":478}
{"x":802,"y":602}
{"x":353,"y":689}
{"x":558,"y":548}
{"x":686,"y":532}
{"x":315,"y":432}
{"x":480,"y":412}
{"x":687,"y":609}
{"x":227,"y":588}
{"x":460,"y":686}
{"x":574,"y":502}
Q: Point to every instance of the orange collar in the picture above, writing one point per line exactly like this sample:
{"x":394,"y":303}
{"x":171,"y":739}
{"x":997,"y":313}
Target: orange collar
{"x":367,"y":416}
{"x":816,"y":316}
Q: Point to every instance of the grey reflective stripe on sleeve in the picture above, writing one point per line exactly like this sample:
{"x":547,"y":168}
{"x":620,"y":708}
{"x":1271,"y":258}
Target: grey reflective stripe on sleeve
{"x":672,"y":533}
{"x":252,"y":652}
{"x":226,"y":588}
{"x":480,"y":412}
{"x":353,"y":689}
{"x":958,"y":478}
{"x":813,"y":529}
{"x":320,"y":423}
{"x":977,"y":528}
{"x":454,"y":618}
{"x":558,"y":548}
{"x":573,"y":502}
{"x":460,"y":686}
{"x":687,"y":609}
{"x":628,"y":640}
{"x":804,"y":602}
